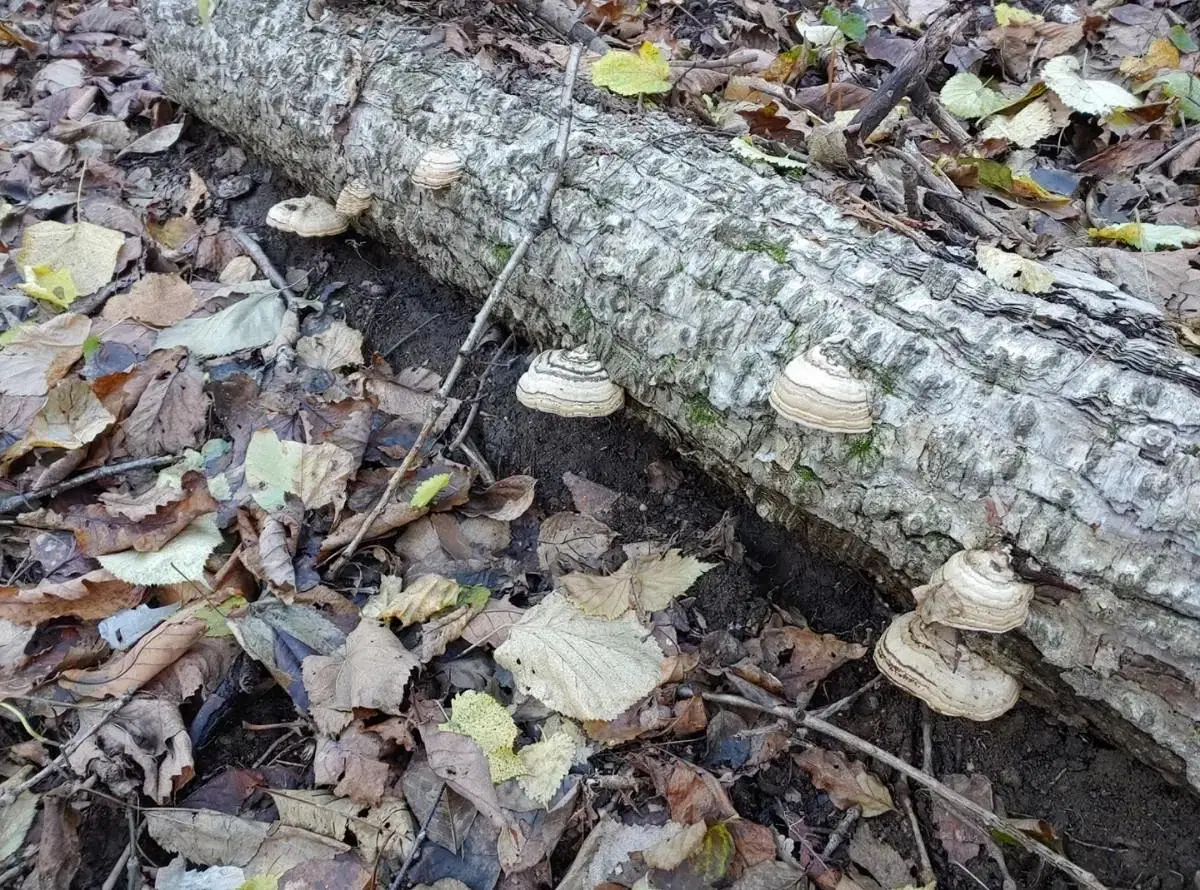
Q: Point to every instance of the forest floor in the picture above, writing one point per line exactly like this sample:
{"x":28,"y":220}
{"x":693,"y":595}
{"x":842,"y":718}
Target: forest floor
{"x":95,"y":825}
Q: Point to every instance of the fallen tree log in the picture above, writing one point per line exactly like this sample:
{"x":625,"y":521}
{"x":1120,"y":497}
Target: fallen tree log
{"x":1066,"y":424}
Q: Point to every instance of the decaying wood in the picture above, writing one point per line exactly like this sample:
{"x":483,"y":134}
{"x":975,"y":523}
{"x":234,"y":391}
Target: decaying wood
{"x":1066,"y":424}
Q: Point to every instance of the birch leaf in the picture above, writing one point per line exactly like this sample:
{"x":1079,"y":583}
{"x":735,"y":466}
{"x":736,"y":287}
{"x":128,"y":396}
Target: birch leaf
{"x":847,"y":782}
{"x":645,"y":583}
{"x":747,"y":151}
{"x":85,"y":250}
{"x":1014,"y":272}
{"x":487,"y":722}
{"x":1026,"y":128}
{"x":966,"y":96}
{"x":247,"y":324}
{"x":1148,"y":236}
{"x":633,"y":74}
{"x":335,"y":347}
{"x":50,"y":285}
{"x":1097,"y":97}
{"x":424,"y":598}
{"x":546,"y":764}
{"x":157,"y":140}
{"x":428,"y":490}
{"x":181,"y":559}
{"x":71,"y":418}
{"x":583,"y":667}
{"x":33,"y":357}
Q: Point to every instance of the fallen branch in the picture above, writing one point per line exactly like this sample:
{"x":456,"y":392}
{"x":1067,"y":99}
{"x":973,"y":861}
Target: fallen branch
{"x":25,"y":500}
{"x":540,"y":222}
{"x":964,"y":805}
{"x":418,"y":841}
{"x":565,"y":20}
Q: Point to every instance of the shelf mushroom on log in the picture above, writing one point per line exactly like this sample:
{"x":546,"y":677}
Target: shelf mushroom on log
{"x":1062,"y":423}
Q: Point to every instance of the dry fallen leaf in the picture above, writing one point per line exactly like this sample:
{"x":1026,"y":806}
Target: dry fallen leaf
{"x":85,"y":250}
{"x":34,"y":357}
{"x":385,"y":831}
{"x":155,"y":299}
{"x":570,"y":542}
{"x":97,"y":594}
{"x":847,"y":782}
{"x":335,"y":347}
{"x":422,"y":599}
{"x":71,"y":418}
{"x":643,"y":583}
{"x":133,"y":669}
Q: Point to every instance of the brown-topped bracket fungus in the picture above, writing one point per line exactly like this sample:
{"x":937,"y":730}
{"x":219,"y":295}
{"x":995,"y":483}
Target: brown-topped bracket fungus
{"x":569,"y":383}
{"x":438,"y":168}
{"x":817,"y":392}
{"x":975,"y":590}
{"x":354,"y":198}
{"x":930,"y":662}
{"x":308,"y":217}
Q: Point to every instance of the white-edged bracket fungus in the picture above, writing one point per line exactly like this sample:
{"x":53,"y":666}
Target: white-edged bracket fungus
{"x":975,"y":590}
{"x":569,"y":383}
{"x":438,"y":168}
{"x":815,"y":391}
{"x":930,"y":662}
{"x":308,"y":217}
{"x":354,"y":198}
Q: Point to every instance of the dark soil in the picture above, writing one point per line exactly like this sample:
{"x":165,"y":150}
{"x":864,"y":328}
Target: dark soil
{"x":1116,"y":817}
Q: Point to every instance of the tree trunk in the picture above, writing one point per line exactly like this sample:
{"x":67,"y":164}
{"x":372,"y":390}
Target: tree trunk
{"x":1066,"y":424}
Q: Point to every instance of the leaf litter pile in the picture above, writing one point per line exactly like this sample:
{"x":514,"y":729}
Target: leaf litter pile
{"x":1035,"y":141}
{"x":182,"y":460}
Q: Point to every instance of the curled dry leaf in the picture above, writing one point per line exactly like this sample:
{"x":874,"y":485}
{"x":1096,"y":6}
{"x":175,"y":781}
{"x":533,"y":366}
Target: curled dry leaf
{"x":695,"y":795}
{"x":506,"y":499}
{"x":97,"y":594}
{"x":580,"y":666}
{"x":133,"y":669}
{"x":70,"y":419}
{"x":802,"y":658}
{"x":847,"y":782}
{"x":422,"y":599}
{"x":37,"y":356}
{"x":354,"y":764}
{"x":155,"y":299}
{"x":643,"y":583}
{"x":670,"y":853}
{"x":338,"y":346}
{"x":385,"y":831}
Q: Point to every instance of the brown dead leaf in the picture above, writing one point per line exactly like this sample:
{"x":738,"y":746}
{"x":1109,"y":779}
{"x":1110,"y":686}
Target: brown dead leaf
{"x":170,"y":415}
{"x":58,"y":855}
{"x":752,"y":844}
{"x":463,"y":765}
{"x":847,"y":782}
{"x":97,"y":531}
{"x":150,"y":733}
{"x":354,"y":765}
{"x":155,"y":299}
{"x":327,"y":874}
{"x":491,"y":625}
{"x":373,"y":673}
{"x":961,"y":839}
{"x":506,"y":499}
{"x":420,"y":600}
{"x":802,"y":658}
{"x":203,"y":666}
{"x":37,"y":356}
{"x":645,"y":583}
{"x":572,"y":542}
{"x":87,"y":597}
{"x":695,"y":795}
{"x":590,"y":498}
{"x":132,"y":669}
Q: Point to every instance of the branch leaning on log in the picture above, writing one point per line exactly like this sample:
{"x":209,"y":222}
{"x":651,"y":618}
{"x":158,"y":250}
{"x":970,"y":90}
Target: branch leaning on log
{"x":1062,"y":424}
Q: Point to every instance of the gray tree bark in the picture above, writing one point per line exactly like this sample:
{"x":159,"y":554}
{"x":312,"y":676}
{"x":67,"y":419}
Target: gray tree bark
{"x":1067,"y":424}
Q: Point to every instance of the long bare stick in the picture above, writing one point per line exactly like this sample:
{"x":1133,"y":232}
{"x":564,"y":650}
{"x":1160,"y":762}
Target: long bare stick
{"x":540,"y":222}
{"x":17,"y":501}
{"x":964,"y":805}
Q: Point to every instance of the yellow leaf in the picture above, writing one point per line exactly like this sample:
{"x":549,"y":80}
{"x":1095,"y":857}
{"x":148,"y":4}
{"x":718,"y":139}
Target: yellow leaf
{"x":483,"y":719}
{"x":1147,"y":236}
{"x":1011,"y":15}
{"x":712,"y":858}
{"x":87,"y":251}
{"x":633,"y":74}
{"x":429,"y":489}
{"x":50,"y":285}
{"x":425,"y":597}
{"x":544,"y":766}
{"x":1161,"y":54}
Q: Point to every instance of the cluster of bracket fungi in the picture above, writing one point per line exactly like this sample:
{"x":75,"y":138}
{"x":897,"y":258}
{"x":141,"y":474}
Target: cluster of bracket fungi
{"x":923,"y":651}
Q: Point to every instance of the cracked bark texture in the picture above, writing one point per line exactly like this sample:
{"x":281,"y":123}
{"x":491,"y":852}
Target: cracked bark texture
{"x":1067,"y":424}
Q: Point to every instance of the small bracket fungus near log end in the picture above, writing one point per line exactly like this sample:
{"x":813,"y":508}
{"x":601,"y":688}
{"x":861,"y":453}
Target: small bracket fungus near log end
{"x":438,"y":168}
{"x":569,"y":383}
{"x":975,"y":590}
{"x":815,"y":391}
{"x":929,"y":662}
{"x":354,"y":198}
{"x":308,"y":217}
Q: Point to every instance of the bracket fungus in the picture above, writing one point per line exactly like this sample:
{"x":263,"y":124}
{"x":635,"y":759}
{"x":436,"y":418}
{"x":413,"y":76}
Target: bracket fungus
{"x":817,"y":392}
{"x":930,"y":662}
{"x":354,"y":198}
{"x":438,"y":168}
{"x":569,"y":383}
{"x":308,"y":217}
{"x":975,"y":590}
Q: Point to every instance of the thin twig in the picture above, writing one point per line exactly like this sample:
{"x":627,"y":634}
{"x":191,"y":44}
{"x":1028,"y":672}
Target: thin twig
{"x":466,"y":426}
{"x":133,"y":868}
{"x":1176,"y":150}
{"x":25,"y":500}
{"x":110,"y":882}
{"x":540,"y":222}
{"x":418,"y":841}
{"x":964,"y":805}
{"x":387,"y":352}
{"x":841,"y":704}
{"x":841,"y":831}
{"x":254,"y":249}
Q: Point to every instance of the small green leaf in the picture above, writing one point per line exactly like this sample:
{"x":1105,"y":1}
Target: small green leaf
{"x":429,"y":489}
{"x":473,"y":595}
{"x":633,"y":74}
{"x":831,"y":15}
{"x":993,"y":174}
{"x":852,"y":25}
{"x":205,"y":8}
{"x":1184,"y":42}
{"x":1182,"y":86}
{"x":90,"y":347}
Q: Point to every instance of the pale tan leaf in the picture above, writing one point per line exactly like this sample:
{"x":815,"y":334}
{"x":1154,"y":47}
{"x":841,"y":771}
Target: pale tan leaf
{"x":34,"y":357}
{"x":1013,"y":271}
{"x":584,"y":667}
{"x":376,"y":670}
{"x":335,"y":347}
{"x":1026,"y":128}
{"x":424,"y":597}
{"x":1098,"y":97}
{"x":658,"y":580}
{"x":71,"y":418}
{"x":847,"y":782}
{"x":97,"y":594}
{"x":87,"y":251}
{"x":180,"y":559}
{"x":571,"y":542}
{"x":670,"y":853}
{"x":506,"y":499}
{"x":157,"y":140}
{"x":491,"y":625}
{"x":385,"y":830}
{"x":155,"y":299}
{"x":132,"y":669}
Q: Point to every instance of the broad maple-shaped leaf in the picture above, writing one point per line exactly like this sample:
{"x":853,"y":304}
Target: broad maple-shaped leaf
{"x":633,"y":74}
{"x":584,"y":667}
{"x":644,"y":583}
